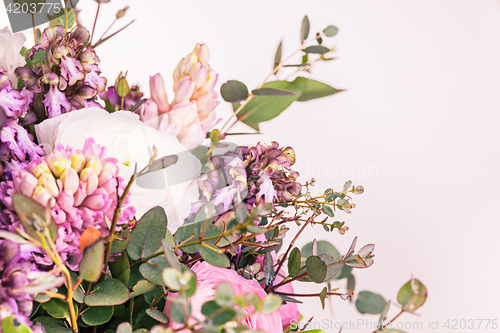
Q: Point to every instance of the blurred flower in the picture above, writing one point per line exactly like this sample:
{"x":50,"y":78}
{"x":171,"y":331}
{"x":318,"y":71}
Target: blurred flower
{"x":131,"y":142}
{"x":270,"y":178}
{"x":16,"y":275}
{"x":69,"y":77}
{"x":10,"y":57}
{"x":80,"y":188}
{"x":192,"y":112}
{"x":207,"y":279}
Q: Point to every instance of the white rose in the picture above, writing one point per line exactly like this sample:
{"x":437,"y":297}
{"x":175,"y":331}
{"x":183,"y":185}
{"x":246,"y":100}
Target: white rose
{"x":10,"y":58}
{"x":130,"y":141}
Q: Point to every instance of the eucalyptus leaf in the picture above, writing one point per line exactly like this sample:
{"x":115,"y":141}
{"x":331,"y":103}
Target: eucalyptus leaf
{"x":124,"y":328}
{"x":316,"y":49}
{"x":234,"y":91}
{"x":157,"y":315}
{"x":272,"y":92}
{"x":97,"y":315}
{"x":304,"y":29}
{"x":120,"y":268}
{"x":108,"y":292}
{"x":26,"y":208}
{"x":412,"y":295}
{"x":368,"y":302}
{"x":294,"y":262}
{"x":141,"y":288}
{"x":213,"y":257}
{"x":152,"y":270}
{"x":316,"y":269}
{"x":277,"y":57}
{"x":92,"y":261}
{"x":331,"y":31}
{"x":144,"y":242}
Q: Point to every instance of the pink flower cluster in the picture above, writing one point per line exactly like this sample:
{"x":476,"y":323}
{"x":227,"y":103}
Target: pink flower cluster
{"x":80,"y":188}
{"x":191,"y":114}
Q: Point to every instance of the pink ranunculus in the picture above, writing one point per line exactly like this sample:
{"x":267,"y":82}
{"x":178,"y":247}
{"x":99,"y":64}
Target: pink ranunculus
{"x":288,"y":311}
{"x":208,"y":277}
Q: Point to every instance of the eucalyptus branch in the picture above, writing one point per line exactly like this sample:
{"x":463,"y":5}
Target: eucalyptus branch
{"x":306,"y":295}
{"x":285,"y":281}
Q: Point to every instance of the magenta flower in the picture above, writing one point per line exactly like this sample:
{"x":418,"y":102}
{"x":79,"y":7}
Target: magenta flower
{"x":80,"y":188}
{"x":207,"y":279}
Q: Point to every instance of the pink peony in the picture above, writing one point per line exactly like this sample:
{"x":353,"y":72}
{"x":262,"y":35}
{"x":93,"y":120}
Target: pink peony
{"x":208,"y":277}
{"x":80,"y":188}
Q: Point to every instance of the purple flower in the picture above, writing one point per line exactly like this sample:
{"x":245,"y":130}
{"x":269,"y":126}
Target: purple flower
{"x":11,"y":101}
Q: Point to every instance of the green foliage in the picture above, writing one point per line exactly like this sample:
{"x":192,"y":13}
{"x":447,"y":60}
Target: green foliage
{"x":317,"y":49}
{"x":368,"y":302}
{"x":412,"y":295}
{"x":304,"y":30}
{"x":61,"y":19}
{"x":92,"y":261}
{"x":153,"y":268}
{"x":277,"y":57}
{"x":52,"y":325}
{"x":108,"y":292}
{"x":33,"y":216}
{"x":97,"y":315}
{"x":143,"y":242}
{"x":234,"y":91}
{"x":294,"y":262}
{"x":213,"y":256}
{"x":11,"y":325}
{"x":331,"y":31}
{"x":316,"y":269}
{"x":120,"y":268}
{"x":121,"y":242}
{"x":272,"y":92}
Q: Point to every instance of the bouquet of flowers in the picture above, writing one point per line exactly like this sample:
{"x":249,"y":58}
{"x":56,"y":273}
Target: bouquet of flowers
{"x":120,"y":213}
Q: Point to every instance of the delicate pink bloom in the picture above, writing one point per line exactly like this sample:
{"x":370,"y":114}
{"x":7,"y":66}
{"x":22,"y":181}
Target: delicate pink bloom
{"x":158,"y":93}
{"x":80,"y":188}
{"x":208,"y":277}
{"x":10,"y":57}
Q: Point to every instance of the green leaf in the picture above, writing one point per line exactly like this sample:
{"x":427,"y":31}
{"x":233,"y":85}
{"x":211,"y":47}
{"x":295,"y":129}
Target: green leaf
{"x":61,"y":19}
{"x":57,"y":308}
{"x":412,"y":295}
{"x":272,"y":92}
{"x":224,"y":294}
{"x":315,"y":89}
{"x":316,"y":269}
{"x":37,"y":59}
{"x":172,"y":278}
{"x":213,"y":257}
{"x":344,"y":272}
{"x":304,"y":29}
{"x":120,"y":268}
{"x":368,"y":302}
{"x":277,"y":57}
{"x":121,"y":242}
{"x":108,"y":292}
{"x":141,"y":288}
{"x":212,"y":310}
{"x":324,"y":247}
{"x":330,"y":31}
{"x":11,"y":325}
{"x":270,"y":303}
{"x":170,"y":255}
{"x":177,"y":310}
{"x":92,"y":261}
{"x":383,"y":314}
{"x":234,"y":91}
{"x":152,"y":270}
{"x":332,"y":270}
{"x":264,"y":108}
{"x":157,"y":315}
{"x":322,"y":296}
{"x":124,"y":328}
{"x":52,"y":325}
{"x":241,"y":213}
{"x":327,"y":210}
{"x":27,"y":208}
{"x":351,"y":284}
{"x":97,"y":315}
{"x":316,"y":49}
{"x":294,"y":262}
{"x":23,"y":52}
{"x":146,"y":238}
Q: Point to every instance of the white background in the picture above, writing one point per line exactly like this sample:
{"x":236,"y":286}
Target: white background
{"x":416,"y":126}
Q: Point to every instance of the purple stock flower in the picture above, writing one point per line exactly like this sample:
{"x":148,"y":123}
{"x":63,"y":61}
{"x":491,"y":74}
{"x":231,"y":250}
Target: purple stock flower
{"x":11,"y":101}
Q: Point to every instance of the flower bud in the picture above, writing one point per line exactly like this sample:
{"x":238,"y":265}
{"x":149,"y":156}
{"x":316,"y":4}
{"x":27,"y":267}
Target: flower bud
{"x":158,"y":93}
{"x":121,"y":85}
{"x":121,"y":12}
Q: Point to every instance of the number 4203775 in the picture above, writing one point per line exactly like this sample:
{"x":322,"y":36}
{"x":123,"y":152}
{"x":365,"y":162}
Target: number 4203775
{"x":472,"y":324}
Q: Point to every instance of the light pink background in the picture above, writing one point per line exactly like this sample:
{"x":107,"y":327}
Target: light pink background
{"x":416,"y":126}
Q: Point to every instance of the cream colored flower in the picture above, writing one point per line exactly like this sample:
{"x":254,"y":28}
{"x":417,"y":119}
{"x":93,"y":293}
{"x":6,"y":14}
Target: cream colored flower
{"x":10,"y":58}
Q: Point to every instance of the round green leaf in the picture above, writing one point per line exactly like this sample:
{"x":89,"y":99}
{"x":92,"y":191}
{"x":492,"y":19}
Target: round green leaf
{"x":224,"y":294}
{"x":124,"y":328}
{"x":324,"y":247}
{"x":97,"y":315}
{"x":234,"y":91}
{"x":108,"y":292}
{"x":317,"y":49}
{"x":213,"y":257}
{"x":316,"y":269}
{"x":146,"y":237}
{"x":153,"y":269}
{"x":368,"y":302}
{"x":330,"y":31}
{"x":92,"y":261}
{"x":412,"y":295}
{"x":11,"y":325}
